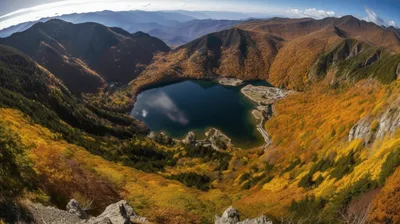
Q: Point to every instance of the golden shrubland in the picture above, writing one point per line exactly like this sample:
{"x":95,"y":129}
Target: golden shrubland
{"x":69,"y":171}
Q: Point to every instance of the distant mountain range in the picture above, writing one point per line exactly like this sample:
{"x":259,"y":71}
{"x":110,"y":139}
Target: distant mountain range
{"x":173,"y":27}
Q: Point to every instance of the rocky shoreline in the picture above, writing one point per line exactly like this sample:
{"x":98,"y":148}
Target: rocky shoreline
{"x":265,"y":97}
{"x":213,"y":137}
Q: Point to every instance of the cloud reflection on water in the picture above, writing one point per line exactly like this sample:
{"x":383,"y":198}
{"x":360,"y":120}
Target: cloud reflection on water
{"x":163,"y":103}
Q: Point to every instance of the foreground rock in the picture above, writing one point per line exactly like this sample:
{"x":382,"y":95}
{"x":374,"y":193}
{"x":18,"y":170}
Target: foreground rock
{"x":118,"y":213}
{"x":161,"y":138}
{"x":51,"y":215}
{"x":190,"y":138}
{"x":74,"y":208}
{"x":231,"y":216}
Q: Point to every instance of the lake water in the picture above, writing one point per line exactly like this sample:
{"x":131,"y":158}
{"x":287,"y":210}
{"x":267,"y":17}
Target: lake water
{"x":196,"y":106}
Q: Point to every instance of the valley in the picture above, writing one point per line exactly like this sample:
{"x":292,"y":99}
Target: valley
{"x":294,"y":119}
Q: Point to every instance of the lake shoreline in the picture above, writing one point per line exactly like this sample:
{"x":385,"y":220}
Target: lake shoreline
{"x":240,"y":142}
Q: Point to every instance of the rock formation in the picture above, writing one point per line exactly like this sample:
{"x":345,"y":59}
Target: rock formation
{"x":232,"y":216}
{"x":190,"y":138}
{"x":118,"y":213}
{"x":74,"y":208}
{"x":370,"y":129}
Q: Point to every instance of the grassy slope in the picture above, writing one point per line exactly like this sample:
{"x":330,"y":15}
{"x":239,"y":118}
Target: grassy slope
{"x":56,"y":162}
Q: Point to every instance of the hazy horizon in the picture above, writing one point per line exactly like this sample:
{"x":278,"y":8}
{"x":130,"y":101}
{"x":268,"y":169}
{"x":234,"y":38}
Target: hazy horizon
{"x":382,"y":13}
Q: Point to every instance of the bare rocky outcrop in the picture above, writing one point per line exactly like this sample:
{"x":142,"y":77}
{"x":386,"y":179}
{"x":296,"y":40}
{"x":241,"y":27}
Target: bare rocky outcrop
{"x":51,"y":215}
{"x":361,"y":130}
{"x":190,"y":138}
{"x":118,"y":213}
{"x":231,"y":216}
{"x":371,"y":129}
{"x":74,"y":208}
{"x":389,"y":122}
{"x":161,"y":138}
{"x":259,"y":220}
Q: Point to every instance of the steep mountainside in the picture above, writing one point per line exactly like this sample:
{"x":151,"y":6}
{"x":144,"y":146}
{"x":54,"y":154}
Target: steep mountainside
{"x":84,"y":56}
{"x":232,"y":52}
{"x":290,"y":53}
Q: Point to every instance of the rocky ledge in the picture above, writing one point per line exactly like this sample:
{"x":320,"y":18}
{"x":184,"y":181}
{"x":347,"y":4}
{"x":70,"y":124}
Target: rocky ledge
{"x":118,"y":213}
{"x":232,"y":216}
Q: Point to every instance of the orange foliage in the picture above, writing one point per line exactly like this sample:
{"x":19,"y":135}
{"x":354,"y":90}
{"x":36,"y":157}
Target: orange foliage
{"x":62,"y":176}
{"x":386,"y":207}
{"x":317,"y":120}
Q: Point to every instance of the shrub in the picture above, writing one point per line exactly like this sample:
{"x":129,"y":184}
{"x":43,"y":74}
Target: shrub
{"x":344,"y":166}
{"x":344,"y":197}
{"x":309,"y":208}
{"x":389,"y":166}
{"x":190,"y":179}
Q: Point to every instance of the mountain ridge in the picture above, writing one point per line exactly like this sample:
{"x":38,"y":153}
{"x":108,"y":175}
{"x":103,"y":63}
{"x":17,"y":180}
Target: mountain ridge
{"x":98,"y":53}
{"x":290,"y":48}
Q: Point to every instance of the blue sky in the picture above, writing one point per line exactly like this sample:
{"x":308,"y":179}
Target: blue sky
{"x":383,"y":12}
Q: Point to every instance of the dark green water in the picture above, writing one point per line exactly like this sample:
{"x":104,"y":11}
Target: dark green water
{"x":196,"y":106}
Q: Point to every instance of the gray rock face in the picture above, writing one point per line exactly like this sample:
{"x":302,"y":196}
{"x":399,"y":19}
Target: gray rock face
{"x":361,"y":130}
{"x":118,"y":213}
{"x":74,"y":208}
{"x":50,"y":215}
{"x":389,"y":121}
{"x":190,"y":138}
{"x":260,"y":220}
{"x":161,"y":138}
{"x":232,"y":216}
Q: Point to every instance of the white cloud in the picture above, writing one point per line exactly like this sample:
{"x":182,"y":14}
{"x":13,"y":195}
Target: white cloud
{"x":392,"y":23}
{"x":310,"y":12}
{"x":373,"y":17}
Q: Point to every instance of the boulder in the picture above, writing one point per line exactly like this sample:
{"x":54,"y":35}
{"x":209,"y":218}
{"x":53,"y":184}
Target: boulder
{"x":74,"y":208}
{"x":190,"y":138}
{"x":259,"y":220}
{"x":161,"y":138}
{"x":118,"y":213}
{"x":232,"y":216}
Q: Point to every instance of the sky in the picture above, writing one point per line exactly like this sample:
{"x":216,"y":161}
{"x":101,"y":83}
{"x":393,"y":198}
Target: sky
{"x":383,"y":12}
